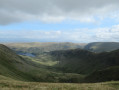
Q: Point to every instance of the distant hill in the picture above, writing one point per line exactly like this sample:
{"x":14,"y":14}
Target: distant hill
{"x":38,"y":47}
{"x":102,"y":46}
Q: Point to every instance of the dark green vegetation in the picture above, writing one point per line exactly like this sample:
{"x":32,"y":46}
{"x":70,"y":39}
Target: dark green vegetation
{"x":108,"y":74}
{"x":89,"y":64}
{"x":102,"y":46}
{"x":83,"y":62}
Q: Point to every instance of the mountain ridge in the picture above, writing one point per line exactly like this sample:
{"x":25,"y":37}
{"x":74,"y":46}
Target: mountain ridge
{"x":102,"y":46}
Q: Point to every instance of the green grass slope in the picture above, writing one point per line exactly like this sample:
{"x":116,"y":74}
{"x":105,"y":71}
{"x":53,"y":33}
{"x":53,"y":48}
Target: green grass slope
{"x":102,"y":46}
{"x":108,"y":74}
{"x":85,"y":62}
{"x":8,"y":62}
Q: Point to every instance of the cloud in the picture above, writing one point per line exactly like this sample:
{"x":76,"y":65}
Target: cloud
{"x":108,"y":34}
{"x":12,"y":11}
{"x":76,"y":35}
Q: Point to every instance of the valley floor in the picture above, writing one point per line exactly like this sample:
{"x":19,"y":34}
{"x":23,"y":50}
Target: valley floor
{"x":19,"y":85}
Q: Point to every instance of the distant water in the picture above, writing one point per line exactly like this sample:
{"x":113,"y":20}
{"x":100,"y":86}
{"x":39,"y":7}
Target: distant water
{"x":27,"y":54}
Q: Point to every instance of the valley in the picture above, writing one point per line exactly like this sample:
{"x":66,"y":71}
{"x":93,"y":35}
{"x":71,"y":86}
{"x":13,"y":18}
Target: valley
{"x":24,"y":64}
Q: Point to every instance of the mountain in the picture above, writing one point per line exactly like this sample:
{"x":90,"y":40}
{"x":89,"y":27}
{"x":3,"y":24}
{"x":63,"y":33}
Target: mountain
{"x":97,"y":67}
{"x":19,"y":68}
{"x":15,"y":67}
{"x":102,"y":46}
{"x":85,"y":62}
{"x":41,"y":47}
{"x":74,"y":65}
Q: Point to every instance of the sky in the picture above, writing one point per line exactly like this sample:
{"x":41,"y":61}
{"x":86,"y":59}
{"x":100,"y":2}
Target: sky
{"x":80,"y":21}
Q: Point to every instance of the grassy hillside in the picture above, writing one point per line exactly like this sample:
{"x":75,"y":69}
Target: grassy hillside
{"x":38,"y":48}
{"x":8,"y":62}
{"x":11,"y":84}
{"x":108,"y":74}
{"x":18,"y":68}
{"x":102,"y":46}
{"x":85,"y":62}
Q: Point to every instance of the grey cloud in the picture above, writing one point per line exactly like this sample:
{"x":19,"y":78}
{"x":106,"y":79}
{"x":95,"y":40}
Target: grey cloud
{"x":20,"y":10}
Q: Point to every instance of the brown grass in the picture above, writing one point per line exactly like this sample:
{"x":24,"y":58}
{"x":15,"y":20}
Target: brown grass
{"x":18,"y":85}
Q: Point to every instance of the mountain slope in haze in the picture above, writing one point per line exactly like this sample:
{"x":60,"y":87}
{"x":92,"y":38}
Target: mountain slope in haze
{"x":102,"y":46}
{"x":38,"y":48}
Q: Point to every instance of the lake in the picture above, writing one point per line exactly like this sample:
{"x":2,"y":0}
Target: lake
{"x":27,"y":54}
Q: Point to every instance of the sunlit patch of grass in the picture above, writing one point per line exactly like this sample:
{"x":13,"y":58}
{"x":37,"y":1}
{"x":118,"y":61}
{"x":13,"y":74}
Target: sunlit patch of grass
{"x":114,"y":84}
{"x":42,"y":59}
